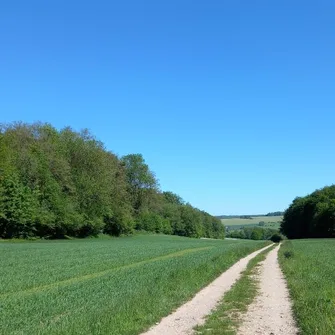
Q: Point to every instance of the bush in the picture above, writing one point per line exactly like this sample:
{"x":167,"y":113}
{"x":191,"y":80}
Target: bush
{"x":118,"y":223}
{"x":257,"y":234}
{"x":288,"y":254}
{"x":150,"y":221}
{"x":276,"y":238}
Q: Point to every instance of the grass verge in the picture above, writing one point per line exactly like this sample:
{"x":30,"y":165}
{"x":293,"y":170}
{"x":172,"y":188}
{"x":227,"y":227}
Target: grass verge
{"x":309,"y":268}
{"x":226,"y":317}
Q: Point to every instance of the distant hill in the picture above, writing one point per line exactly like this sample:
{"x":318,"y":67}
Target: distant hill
{"x":249,"y":216}
{"x":275,"y":214}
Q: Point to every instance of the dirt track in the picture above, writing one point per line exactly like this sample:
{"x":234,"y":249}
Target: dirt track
{"x":271,"y":312}
{"x":186,"y":317}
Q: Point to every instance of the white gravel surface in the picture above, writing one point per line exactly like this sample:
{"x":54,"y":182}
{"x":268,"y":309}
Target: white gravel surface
{"x":271,"y":312}
{"x":192,"y":313}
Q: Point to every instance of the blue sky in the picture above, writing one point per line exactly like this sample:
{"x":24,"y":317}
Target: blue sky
{"x":231,"y":103}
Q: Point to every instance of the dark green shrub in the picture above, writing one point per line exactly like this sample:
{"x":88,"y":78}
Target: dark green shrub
{"x":276,"y":238}
{"x":288,"y":254}
{"x":118,"y":223}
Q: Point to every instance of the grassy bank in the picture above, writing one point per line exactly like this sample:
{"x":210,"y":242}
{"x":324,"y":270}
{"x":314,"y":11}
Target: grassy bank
{"x":309,"y":267}
{"x":225,"y":319}
{"x":113,"y":286}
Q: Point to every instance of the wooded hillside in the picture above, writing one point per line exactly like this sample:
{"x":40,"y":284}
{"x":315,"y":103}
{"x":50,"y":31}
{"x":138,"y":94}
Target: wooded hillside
{"x":65,"y":183}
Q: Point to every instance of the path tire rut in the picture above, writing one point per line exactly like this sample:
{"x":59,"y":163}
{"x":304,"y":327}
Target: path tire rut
{"x":271,"y":312}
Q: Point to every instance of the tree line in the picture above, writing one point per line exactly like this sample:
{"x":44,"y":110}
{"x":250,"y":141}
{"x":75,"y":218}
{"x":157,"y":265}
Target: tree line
{"x":58,"y":183}
{"x":252,"y":233}
{"x":312,"y":216}
{"x":278,"y":213}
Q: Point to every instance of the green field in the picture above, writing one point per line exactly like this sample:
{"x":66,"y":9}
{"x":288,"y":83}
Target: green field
{"x":270,"y":221}
{"x":309,"y":267}
{"x":105,"y":286}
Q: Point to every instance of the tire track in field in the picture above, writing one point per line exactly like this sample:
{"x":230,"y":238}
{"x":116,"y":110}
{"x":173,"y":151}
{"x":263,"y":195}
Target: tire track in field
{"x":98,"y":274}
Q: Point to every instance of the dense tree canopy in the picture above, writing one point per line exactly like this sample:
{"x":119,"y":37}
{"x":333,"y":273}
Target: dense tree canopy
{"x":311,"y":216}
{"x":65,"y":183}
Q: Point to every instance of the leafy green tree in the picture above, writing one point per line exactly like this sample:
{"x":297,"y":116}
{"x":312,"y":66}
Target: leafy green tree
{"x":191,"y":221}
{"x":218,"y":228}
{"x":311,"y":216}
{"x":172,"y":213}
{"x":18,"y":208}
{"x":173,"y":198}
{"x":118,"y":223}
{"x":257,"y":234}
{"x":153,"y":222}
{"x":142,"y":182}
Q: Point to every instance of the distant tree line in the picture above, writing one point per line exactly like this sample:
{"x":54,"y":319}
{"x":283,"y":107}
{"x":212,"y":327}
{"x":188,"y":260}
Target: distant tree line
{"x":55,"y":184}
{"x":252,"y":233}
{"x":249,"y":216}
{"x":227,"y":216}
{"x":311,"y":216}
{"x":275,"y":214}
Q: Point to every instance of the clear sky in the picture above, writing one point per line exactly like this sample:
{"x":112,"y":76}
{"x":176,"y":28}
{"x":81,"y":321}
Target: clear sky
{"x":231,"y":103}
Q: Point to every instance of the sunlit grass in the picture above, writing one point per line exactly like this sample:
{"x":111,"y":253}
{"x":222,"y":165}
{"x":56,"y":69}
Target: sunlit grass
{"x":105,"y":286}
{"x":309,"y":266}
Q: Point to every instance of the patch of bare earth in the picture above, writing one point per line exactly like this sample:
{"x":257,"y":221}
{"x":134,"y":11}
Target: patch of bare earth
{"x":193,"y":313}
{"x":271,"y":312}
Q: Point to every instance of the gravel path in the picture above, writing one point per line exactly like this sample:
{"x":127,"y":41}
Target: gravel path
{"x":186,"y":317}
{"x":271,"y":312}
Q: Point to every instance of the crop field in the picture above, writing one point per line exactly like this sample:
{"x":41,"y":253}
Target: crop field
{"x":309,"y":267}
{"x":105,"y":286}
{"x":270,"y":221}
